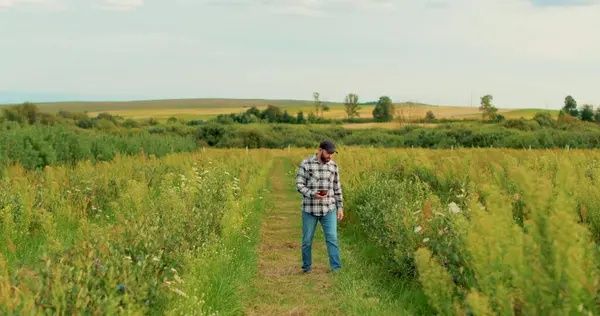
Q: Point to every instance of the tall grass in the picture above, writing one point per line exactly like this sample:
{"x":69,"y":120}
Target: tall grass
{"x":126,"y":236}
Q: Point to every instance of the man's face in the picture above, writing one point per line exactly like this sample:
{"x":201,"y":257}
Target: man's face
{"x":325,"y":156}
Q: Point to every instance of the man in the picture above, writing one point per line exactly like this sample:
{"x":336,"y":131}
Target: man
{"x":318,"y":180}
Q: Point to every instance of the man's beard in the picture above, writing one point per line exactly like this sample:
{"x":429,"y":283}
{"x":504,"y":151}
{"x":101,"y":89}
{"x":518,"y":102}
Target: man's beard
{"x":323,"y":159}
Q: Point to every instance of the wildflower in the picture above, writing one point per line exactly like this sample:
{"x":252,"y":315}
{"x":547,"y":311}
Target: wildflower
{"x":454,"y":209}
{"x":155,"y":259}
{"x":121,"y":287}
{"x":180,"y":292}
{"x":426,"y":240}
{"x":178,"y":279}
{"x":418,"y":229}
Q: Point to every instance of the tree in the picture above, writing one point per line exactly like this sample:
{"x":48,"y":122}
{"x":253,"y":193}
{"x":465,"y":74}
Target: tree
{"x":429,"y":116}
{"x":253,"y":111}
{"x":400,"y":117}
{"x":24,"y":113}
{"x":324,"y":108}
{"x":351,"y":103}
{"x":384,"y":110}
{"x":320,"y":106}
{"x":597,"y":115}
{"x":488,"y":109}
{"x":29,"y":111}
{"x":587,"y":113}
{"x":301,"y":119}
{"x":318,"y":103}
{"x":287,"y":118}
{"x":272,"y":114}
{"x":571,"y":106}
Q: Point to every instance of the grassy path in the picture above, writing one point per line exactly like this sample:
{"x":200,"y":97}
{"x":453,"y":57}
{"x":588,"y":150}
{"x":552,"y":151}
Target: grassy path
{"x":280,"y":287}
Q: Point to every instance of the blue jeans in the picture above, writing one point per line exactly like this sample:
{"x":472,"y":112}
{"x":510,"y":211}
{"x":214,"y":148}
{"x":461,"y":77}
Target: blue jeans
{"x":329,"y":225}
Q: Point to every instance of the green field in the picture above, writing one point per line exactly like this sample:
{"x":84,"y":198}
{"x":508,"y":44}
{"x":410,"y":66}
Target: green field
{"x":447,"y":232}
{"x":104,"y":215}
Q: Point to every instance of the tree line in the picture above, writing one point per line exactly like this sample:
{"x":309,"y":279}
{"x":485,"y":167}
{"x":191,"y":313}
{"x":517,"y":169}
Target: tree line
{"x":38,"y":139}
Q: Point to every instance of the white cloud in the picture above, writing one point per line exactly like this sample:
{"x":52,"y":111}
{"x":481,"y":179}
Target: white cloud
{"x":120,"y":5}
{"x":309,"y":8}
{"x":39,"y":4}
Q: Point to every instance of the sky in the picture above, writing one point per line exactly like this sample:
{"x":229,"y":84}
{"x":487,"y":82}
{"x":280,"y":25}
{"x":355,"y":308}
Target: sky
{"x":525,"y":53}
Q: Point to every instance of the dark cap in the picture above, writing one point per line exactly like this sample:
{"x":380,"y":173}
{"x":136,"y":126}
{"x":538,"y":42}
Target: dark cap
{"x":328,"y":146}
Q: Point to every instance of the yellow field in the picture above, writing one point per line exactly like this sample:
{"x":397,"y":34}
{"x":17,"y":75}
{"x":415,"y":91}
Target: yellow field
{"x":336,"y":112}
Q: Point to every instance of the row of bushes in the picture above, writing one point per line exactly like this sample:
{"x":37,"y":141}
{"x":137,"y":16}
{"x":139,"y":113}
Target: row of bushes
{"x":281,"y":136}
{"x":36,"y":146}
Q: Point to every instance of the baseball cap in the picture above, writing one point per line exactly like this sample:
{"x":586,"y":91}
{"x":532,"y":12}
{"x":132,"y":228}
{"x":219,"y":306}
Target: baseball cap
{"x":328,"y":145}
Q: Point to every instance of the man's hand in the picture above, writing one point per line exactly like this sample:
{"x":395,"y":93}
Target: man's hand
{"x":340,"y":215}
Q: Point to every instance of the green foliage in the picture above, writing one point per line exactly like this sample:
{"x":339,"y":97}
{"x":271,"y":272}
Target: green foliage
{"x":320,"y":106}
{"x":587,"y":113}
{"x":300,"y":119}
{"x":384,"y":110}
{"x":36,"y":146}
{"x":351,"y":105}
{"x":498,"y":118}
{"x":571,"y":106}
{"x":272,"y":114}
{"x":131,"y":123}
{"x":128,"y":236}
{"x":429,"y":116}
{"x":544,"y":119}
{"x":597,"y":115}
{"x":516,"y":134}
{"x":490,"y":232}
{"x":25,"y":113}
{"x":488,"y":109}
{"x":522,"y":124}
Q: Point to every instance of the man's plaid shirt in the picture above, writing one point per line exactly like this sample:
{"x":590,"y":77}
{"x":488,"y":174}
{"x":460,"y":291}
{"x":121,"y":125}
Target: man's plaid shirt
{"x":314,"y":176}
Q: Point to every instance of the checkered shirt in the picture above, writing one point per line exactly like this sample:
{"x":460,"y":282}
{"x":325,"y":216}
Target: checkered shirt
{"x":313,"y":176}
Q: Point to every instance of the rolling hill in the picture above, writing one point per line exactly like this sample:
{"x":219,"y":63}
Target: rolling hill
{"x":209,"y":108}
